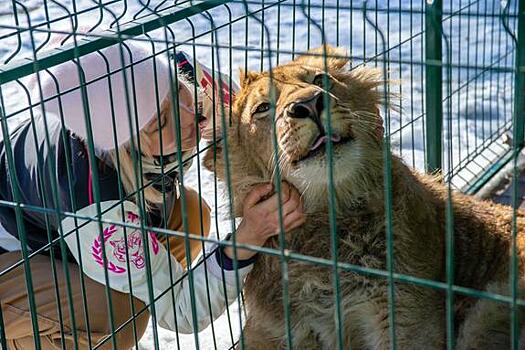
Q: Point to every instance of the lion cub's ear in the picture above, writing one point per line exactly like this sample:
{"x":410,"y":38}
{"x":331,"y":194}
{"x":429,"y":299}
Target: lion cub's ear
{"x":246,"y":77}
{"x":336,"y":57}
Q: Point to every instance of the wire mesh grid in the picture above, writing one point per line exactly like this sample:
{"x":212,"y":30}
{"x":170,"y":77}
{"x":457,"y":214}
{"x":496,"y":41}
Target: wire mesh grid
{"x":455,"y":84}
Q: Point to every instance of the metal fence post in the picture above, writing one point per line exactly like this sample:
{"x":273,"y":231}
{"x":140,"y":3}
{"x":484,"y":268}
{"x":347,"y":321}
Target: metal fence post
{"x":433,"y":85}
{"x":519,"y":80}
{"x":518,"y":121}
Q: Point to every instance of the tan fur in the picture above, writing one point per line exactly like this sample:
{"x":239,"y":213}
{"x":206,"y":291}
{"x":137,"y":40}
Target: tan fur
{"x":482,"y":229}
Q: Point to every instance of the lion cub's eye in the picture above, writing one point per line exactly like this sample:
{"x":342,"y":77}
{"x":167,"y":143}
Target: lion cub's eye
{"x":263,"y":107}
{"x":319,"y":80}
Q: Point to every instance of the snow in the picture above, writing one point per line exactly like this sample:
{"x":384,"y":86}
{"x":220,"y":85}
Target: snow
{"x":478,"y":110}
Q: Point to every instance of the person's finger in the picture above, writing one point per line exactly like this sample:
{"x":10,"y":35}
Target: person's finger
{"x":290,"y":220}
{"x":256,"y":195}
{"x":292,"y":204}
{"x":295,"y":197}
{"x":272,"y":204}
{"x":297,"y":223}
{"x":285,"y":188}
{"x":285,"y":191}
{"x":269,"y":205}
{"x":293,"y":225}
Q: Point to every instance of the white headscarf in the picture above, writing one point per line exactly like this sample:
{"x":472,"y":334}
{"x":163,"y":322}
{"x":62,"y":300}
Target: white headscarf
{"x":146,"y":81}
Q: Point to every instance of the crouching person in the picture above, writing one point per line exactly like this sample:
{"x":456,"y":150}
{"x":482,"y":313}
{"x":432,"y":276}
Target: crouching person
{"x":142,"y":124}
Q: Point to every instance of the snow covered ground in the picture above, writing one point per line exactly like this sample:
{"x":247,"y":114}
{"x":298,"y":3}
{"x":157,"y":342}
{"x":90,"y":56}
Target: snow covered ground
{"x":479,"y":106}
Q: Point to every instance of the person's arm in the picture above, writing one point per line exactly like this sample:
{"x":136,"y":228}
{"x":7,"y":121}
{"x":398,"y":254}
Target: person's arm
{"x":174,"y":308}
{"x":126,"y":256}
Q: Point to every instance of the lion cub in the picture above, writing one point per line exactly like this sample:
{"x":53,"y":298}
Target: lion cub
{"x":482,"y":229}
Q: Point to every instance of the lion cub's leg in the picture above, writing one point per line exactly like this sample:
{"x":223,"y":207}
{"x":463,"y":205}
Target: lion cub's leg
{"x":487,"y":324}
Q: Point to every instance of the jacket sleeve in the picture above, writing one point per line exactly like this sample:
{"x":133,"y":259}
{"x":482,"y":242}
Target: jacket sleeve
{"x":124,"y":243}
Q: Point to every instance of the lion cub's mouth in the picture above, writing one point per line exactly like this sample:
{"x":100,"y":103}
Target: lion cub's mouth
{"x":319,"y":145}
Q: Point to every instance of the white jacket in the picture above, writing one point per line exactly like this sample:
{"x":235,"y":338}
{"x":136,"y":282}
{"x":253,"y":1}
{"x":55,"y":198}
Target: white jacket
{"x":126,"y":260}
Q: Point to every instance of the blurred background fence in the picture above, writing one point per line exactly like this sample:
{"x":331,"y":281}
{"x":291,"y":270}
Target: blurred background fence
{"x":456,"y":71}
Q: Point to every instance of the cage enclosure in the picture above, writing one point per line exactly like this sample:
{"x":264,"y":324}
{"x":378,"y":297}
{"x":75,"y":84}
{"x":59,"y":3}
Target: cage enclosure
{"x":453,"y":104}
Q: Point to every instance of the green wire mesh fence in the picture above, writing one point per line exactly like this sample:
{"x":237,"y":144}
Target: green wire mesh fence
{"x":455,"y":88}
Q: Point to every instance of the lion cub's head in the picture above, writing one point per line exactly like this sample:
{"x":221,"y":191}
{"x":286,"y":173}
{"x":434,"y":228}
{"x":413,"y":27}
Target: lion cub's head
{"x":304,"y":102}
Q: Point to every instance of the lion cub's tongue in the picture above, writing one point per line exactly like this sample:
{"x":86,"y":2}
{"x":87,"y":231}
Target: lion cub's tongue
{"x":323,"y":139}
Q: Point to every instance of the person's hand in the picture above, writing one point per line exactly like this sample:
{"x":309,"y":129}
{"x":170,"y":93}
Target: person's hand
{"x":261,"y":217}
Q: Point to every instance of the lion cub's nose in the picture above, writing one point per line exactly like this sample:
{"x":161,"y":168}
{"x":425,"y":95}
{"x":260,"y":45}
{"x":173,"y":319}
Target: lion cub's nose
{"x":311,"y":108}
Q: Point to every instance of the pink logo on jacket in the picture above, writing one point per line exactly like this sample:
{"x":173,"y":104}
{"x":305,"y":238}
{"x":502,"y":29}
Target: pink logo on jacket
{"x":116,"y":248}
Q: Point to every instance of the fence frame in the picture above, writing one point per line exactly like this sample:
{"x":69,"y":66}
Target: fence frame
{"x":433,"y":70}
{"x":434,"y":85}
